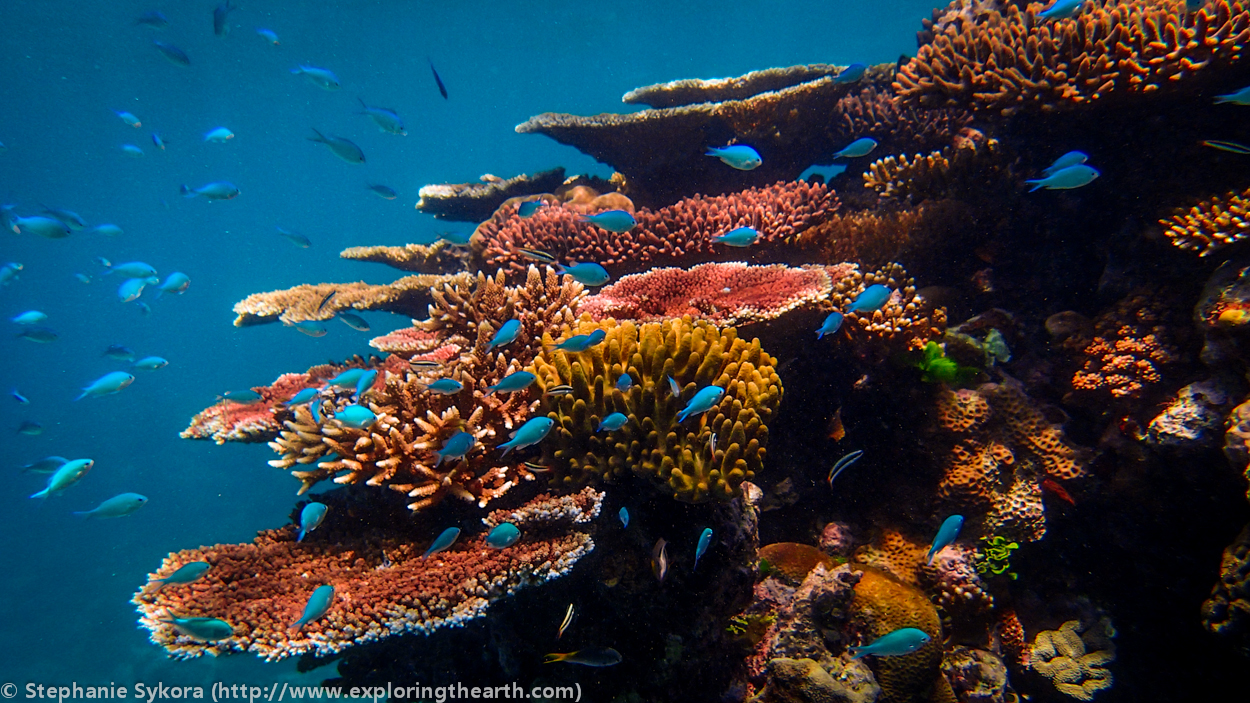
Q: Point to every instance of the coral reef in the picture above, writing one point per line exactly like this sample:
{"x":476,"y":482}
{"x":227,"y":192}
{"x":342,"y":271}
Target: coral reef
{"x":1002,"y":449}
{"x":474,"y":202}
{"x":1074,"y":660}
{"x":972,"y":166}
{"x":975,"y":675}
{"x":690,"y":91}
{"x":382,"y":585}
{"x":678,"y":234}
{"x":1129,"y":352}
{"x":1227,"y":611}
{"x":1193,"y":418}
{"x":1237,"y":439}
{"x":877,"y":113}
{"x":439,"y":257}
{"x":1210,"y":225}
{"x":906,"y":322}
{"x":724,"y":294}
{"x":883,"y":604}
{"x":792,"y":560}
{"x":407,"y":296}
{"x":678,"y":457}
{"x":1007,"y":59}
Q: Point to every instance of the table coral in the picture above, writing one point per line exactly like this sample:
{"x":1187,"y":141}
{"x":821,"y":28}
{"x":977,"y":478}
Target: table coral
{"x":731,"y":293}
{"x":383,"y":587}
{"x":1227,"y":611}
{"x":1210,"y":225}
{"x":1007,"y":59}
{"x":474,"y":202}
{"x":1073,"y":660}
{"x":1002,"y":447}
{"x":439,"y":257}
{"x":677,"y":457}
{"x":690,"y":91}
{"x":407,"y":296}
{"x":678,"y":234}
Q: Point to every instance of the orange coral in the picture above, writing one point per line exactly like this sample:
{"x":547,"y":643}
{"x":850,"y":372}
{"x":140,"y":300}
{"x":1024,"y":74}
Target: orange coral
{"x":1129,"y":352}
{"x":974,"y":165}
{"x":1011,"y":638}
{"x":883,"y":604}
{"x":1212,"y":224}
{"x":904,"y":323}
{"x":1008,"y":59}
{"x":793,"y":559}
{"x":407,"y":296}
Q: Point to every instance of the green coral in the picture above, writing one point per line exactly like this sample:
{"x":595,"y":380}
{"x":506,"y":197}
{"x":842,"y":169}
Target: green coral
{"x":750,"y":628}
{"x":993,"y":556}
{"x":936,"y":367}
{"x":678,"y":457}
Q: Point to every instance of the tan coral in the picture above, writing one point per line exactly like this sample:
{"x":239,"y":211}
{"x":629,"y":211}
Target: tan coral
{"x":1210,"y":225}
{"x":904,"y":323}
{"x":1074,"y":661}
{"x":407,"y":296}
{"x":438,"y":257}
{"x":972,"y":166}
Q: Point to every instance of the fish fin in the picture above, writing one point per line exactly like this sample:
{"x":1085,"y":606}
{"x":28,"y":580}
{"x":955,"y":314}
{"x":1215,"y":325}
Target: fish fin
{"x":321,"y":138}
{"x":1036,"y":184}
{"x":856,"y":652}
{"x":297,"y":70}
{"x":301,"y":536}
{"x":84,"y":395}
{"x":1221,"y":99}
{"x":86,"y":514}
{"x":186,"y":192}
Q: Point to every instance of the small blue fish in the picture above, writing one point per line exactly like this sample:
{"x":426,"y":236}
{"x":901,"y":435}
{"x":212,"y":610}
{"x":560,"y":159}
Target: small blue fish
{"x":739,"y":156}
{"x":247,"y":397}
{"x":296,"y":238}
{"x":312,"y":328}
{"x":144,"y":308}
{"x":460,"y":239}
{"x":342,"y":147}
{"x":217,"y":190}
{"x":826,"y":173}
{"x":202,"y":629}
{"x":108,"y":230}
{"x":71,"y":472}
{"x":531,"y":433}
{"x":153,"y":19}
{"x":456,"y":447}
{"x":382,"y":191}
{"x":268,"y":34}
{"x":512,"y":383}
{"x":1066,"y":178}
{"x":871,"y":299}
{"x":117,"y":506}
{"x":446,"y":386}
{"x":128,"y":118}
{"x":131,"y":150}
{"x":443,"y":542}
{"x":30,"y":317}
{"x":740,"y":237}
{"x":673,"y":387}
{"x":624,"y":383}
{"x":623,"y":514}
{"x":315,"y":411}
{"x":705,"y":540}
{"x":387,"y":120}
{"x":8,"y":272}
{"x":357,"y":417}
{"x":318,"y":603}
{"x":1072,"y":158}
{"x":613,"y":422}
{"x":581,"y":342}
{"x":354,"y":321}
{"x":302,"y":397}
{"x":132,"y":288}
{"x":529,"y":207}
{"x":82,"y":277}
{"x":587,"y":274}
{"x":831,"y":325}
{"x":107,"y":384}
{"x":173,"y":54}
{"x":860,"y":147}
{"x":503,"y":536}
{"x":1062,"y":9}
{"x":46,"y":465}
{"x":310,"y":518}
{"x":366,"y":381}
{"x":318,"y":76}
{"x":220,"y":135}
{"x":150,"y":363}
{"x":617,"y":221}
{"x":946,"y":534}
{"x":505,"y":335}
{"x":176,"y":283}
{"x":346,"y":379}
{"x":187,"y":573}
{"x":30,"y":429}
{"x":1241,"y":97}
{"x":158,"y":141}
{"x":702,"y":402}
{"x":899,"y":642}
{"x":851,"y":73}
{"x":19,"y":397}
{"x":43,"y":335}
{"x":46,"y":227}
{"x":848,"y":459}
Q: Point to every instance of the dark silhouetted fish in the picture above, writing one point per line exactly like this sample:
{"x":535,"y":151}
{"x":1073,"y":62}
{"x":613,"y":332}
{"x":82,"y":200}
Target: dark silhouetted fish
{"x":176,"y":56}
{"x":442,"y":89}
{"x":345,"y":149}
{"x":152,"y":19}
{"x":220,"y":15}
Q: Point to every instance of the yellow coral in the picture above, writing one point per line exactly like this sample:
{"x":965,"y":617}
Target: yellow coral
{"x":1064,"y":657}
{"x":884,"y":604}
{"x":677,"y":456}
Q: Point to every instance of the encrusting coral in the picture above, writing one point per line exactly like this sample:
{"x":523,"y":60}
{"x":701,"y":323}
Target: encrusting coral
{"x":1074,"y":660}
{"x":1008,"y":58}
{"x":407,"y":296}
{"x":678,"y":457}
{"x":382,"y":585}
{"x":1210,"y":225}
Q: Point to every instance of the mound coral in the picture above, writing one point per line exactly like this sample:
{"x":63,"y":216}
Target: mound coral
{"x":724,"y":294}
{"x":1008,"y":59}
{"x":1227,"y":611}
{"x":679,"y":234}
{"x":1237,"y":439}
{"x":407,"y":296}
{"x":1210,"y":225}
{"x":793,"y":560}
{"x":382,"y":585}
{"x":1073,"y":660}
{"x":678,"y":457}
{"x":1002,"y":449}
{"x":883,"y":604}
{"x":474,"y":202}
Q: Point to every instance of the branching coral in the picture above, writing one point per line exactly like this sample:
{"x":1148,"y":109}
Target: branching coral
{"x":1210,"y":225}
{"x":678,"y":457}
{"x":407,"y":296}
{"x":1129,"y":352}
{"x":724,"y":294}
{"x":906,"y":322}
{"x":1002,"y":448}
{"x":1075,"y":661}
{"x":438,"y":257}
{"x":972,"y":166}
{"x":382,"y":585}
{"x":679,"y":234}
{"x":1010,"y":59}
{"x":474,"y":202}
{"x":876,"y":113}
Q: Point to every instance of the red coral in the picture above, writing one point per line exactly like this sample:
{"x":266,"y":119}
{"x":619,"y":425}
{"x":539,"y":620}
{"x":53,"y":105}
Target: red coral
{"x":727,"y":294}
{"x":679,"y":233}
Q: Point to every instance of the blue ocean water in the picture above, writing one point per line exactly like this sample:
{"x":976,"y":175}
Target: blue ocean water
{"x":66,"y":67}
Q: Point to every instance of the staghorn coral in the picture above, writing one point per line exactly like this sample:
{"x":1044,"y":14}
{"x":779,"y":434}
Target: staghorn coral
{"x":1129,"y":352}
{"x":676,"y":457}
{"x":1073,"y":660}
{"x":1002,"y":447}
{"x":972,"y":166}
{"x":383,"y":587}
{"x":407,"y":296}
{"x":680,"y":233}
{"x":732,"y":293}
{"x":883,"y":604}
{"x":905,"y":323}
{"x":1227,"y":611}
{"x":1210,"y":225}
{"x":1008,"y":59}
{"x":474,"y":202}
{"x":439,"y":257}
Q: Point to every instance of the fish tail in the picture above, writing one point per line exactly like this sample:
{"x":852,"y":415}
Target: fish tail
{"x":554,"y":657}
{"x":186,"y":192}
{"x":362,"y":103}
{"x":507,"y":447}
{"x":301,"y":535}
{"x":1221,"y":99}
{"x":320,"y":137}
{"x":1036,"y":184}
{"x":84,"y":513}
{"x":84,"y":395}
{"x":297,"y":70}
{"x":856,"y":652}
{"x":40,"y":494}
